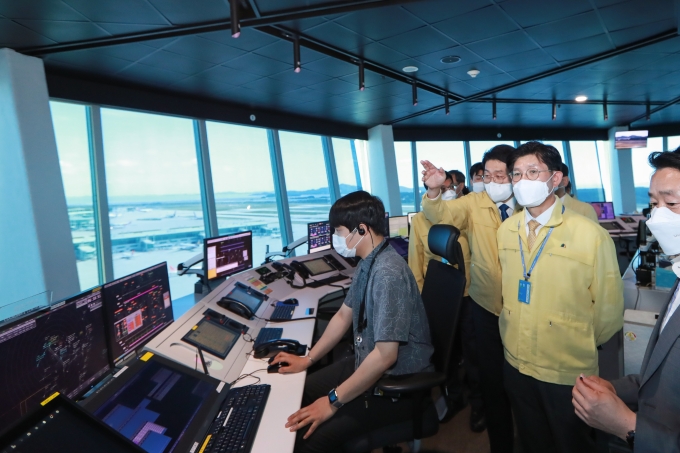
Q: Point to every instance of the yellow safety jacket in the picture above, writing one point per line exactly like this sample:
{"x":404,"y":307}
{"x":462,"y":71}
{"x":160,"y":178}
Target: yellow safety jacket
{"x":478,"y":216}
{"x":576,"y":297}
{"x":419,"y":254}
{"x":579,"y":207}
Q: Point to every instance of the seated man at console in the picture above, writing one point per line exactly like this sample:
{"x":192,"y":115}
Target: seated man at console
{"x":390,"y":330}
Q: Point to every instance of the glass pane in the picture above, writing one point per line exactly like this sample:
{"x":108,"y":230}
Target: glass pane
{"x":642,"y":171}
{"x":361,"y":147}
{"x":603,"y":155}
{"x":477,"y":149}
{"x":673,"y":143}
{"x":345,"y":164}
{"x":308,"y":195}
{"x":449,"y":155}
{"x":70,"y":129}
{"x":586,"y":172}
{"x":154,"y":196}
{"x":402,"y":151}
{"x":240,"y":205}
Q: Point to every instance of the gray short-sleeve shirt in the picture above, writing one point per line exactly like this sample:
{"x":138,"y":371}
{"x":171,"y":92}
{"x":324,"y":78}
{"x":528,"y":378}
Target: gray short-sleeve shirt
{"x":394,"y":311}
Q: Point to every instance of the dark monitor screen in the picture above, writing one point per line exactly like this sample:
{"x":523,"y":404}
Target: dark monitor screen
{"x":160,"y":405}
{"x":247,"y":296}
{"x":62,"y":349}
{"x":398,"y":226}
{"x":61,"y":426}
{"x":228,"y":255}
{"x":319,"y":236}
{"x":604,"y":210}
{"x":138,"y":307}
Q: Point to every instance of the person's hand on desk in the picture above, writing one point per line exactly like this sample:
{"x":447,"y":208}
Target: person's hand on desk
{"x":296,"y":363}
{"x":315,"y":414}
{"x":595,"y":402}
{"x":433,"y":177}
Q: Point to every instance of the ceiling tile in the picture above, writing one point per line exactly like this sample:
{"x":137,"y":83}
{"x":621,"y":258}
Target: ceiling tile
{"x":580,"y":49}
{"x":487,"y":83}
{"x":529,"y":72}
{"x":39,"y":10}
{"x":337,"y":35}
{"x":422,"y":68}
{"x":258,"y":64}
{"x":460,"y":72}
{"x":16,"y":36}
{"x":627,"y":61}
{"x":90,"y":60}
{"x":227,"y":75}
{"x":203,"y":49}
{"x":379,"y":53}
{"x":203,"y":86}
{"x":303,"y":78}
{"x":283,"y":51}
{"x":533,"y":12}
{"x":630,"y":14}
{"x":149,"y":75}
{"x":332,"y":67}
{"x":500,"y":46}
{"x":635,"y":34}
{"x":524,"y":60}
{"x":122,"y":29}
{"x":467,"y":57}
{"x":335,"y":86}
{"x":61,"y":31}
{"x":371,"y":79}
{"x":476,"y":25}
{"x":270,"y":86}
{"x":118,"y":11}
{"x":565,"y":30}
{"x":384,"y":23}
{"x":249,"y":40}
{"x":436,"y":11}
{"x":180,"y":13}
{"x":176,"y":63}
{"x":417,"y":42}
{"x":129,"y":52}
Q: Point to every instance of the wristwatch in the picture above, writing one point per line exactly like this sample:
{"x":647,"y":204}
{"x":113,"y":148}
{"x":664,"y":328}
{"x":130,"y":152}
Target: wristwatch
{"x":333,"y":398}
{"x":630,"y":438}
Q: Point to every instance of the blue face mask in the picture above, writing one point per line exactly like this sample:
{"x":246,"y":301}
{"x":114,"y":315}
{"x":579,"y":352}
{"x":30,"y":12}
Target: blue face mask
{"x":340,"y":245}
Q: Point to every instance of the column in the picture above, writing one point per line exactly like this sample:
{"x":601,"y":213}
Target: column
{"x":623,"y":187}
{"x":383,"y":165}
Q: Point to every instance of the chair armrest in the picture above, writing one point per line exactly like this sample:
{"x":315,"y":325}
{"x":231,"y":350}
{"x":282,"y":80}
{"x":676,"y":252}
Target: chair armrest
{"x":411,"y":383}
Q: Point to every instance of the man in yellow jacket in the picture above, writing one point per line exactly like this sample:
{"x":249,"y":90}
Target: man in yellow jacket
{"x":480,"y":215}
{"x":562,"y":297}
{"x":579,"y":207}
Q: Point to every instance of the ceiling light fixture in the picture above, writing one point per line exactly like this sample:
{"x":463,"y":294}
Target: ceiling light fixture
{"x":450,"y":59}
{"x":581,"y":98}
{"x":414,"y":92}
{"x":473,"y":73}
{"x":296,"y":54}
{"x":410,"y":69}
{"x":649,"y":114}
{"x":554,"y":111}
{"x":235,"y":25}
{"x":493,"y":109}
{"x":604,"y":110}
{"x":446,"y":103}
{"x":362,"y":84}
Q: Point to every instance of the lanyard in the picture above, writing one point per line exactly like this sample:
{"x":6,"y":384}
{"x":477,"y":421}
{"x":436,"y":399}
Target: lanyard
{"x":527,"y":275}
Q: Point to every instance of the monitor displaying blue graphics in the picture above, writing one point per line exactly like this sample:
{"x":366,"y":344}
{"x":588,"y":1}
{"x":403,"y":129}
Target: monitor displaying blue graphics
{"x":62,"y":349}
{"x":160,"y":405}
{"x":319,"y":236}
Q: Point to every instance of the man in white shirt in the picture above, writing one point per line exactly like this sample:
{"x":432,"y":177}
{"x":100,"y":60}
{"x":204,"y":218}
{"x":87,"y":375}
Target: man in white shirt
{"x":644,"y":408}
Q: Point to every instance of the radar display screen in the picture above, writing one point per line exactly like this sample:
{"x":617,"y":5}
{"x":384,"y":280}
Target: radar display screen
{"x":212,"y":337}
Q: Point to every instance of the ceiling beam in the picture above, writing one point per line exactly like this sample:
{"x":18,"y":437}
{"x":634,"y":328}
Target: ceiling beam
{"x":578,"y":64}
{"x":654,"y":110}
{"x":208,"y":27}
{"x":564,"y":101}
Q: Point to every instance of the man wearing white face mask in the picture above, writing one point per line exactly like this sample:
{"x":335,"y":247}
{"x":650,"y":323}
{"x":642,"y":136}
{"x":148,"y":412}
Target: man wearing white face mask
{"x":477,"y":177}
{"x":644,"y":409}
{"x":562,"y":297}
{"x":480,"y":215}
{"x":390,"y":329}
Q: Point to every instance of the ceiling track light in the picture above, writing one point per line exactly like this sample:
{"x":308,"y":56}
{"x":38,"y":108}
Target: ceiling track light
{"x":554,"y":110}
{"x":362,"y":84}
{"x":649,"y":113}
{"x":604,"y":109}
{"x":446,"y":103}
{"x":493,"y":109}
{"x":297,"y":64}
{"x":235,"y":25}
{"x":414,"y":89}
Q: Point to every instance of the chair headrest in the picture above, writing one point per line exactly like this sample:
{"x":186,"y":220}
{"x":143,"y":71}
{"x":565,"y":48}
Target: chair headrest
{"x":443,"y":241}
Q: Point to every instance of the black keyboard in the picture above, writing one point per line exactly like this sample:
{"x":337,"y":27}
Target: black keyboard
{"x":282,"y":313}
{"x":268,"y":334}
{"x":235,"y":426}
{"x":326,"y":281}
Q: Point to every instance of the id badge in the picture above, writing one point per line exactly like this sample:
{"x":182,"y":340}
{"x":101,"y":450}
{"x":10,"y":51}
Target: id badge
{"x":524,"y":295}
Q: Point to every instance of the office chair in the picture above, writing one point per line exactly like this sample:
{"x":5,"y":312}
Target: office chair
{"x":442,"y":296}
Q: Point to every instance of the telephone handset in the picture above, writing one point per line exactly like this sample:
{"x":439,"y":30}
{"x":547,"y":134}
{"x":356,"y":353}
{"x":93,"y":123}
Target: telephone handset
{"x":300,"y":269}
{"x":271,"y":348}
{"x":237,"y":307}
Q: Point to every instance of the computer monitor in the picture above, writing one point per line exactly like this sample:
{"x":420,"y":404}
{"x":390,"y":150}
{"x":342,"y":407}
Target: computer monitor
{"x":319,"y":236}
{"x":228,"y":255}
{"x":137,"y":308}
{"x":60,"y":349}
{"x":398,"y":226}
{"x":630,"y":139}
{"x":160,"y":405}
{"x":604,"y":210}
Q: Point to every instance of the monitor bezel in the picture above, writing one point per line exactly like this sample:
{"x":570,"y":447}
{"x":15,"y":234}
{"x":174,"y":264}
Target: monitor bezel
{"x":310,"y":250}
{"x":221,"y":238}
{"x":397,"y":217}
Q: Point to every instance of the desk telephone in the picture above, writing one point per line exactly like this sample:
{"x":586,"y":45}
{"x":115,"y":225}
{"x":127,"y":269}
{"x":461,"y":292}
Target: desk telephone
{"x":271,"y":348}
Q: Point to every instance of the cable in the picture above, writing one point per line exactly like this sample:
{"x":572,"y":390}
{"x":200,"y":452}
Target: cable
{"x":243,"y":376}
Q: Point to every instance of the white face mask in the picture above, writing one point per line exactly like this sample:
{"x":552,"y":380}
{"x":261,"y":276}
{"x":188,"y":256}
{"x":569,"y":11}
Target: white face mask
{"x":340,"y":245}
{"x":498,"y":192}
{"x":532,"y":193}
{"x":665,"y":226}
{"x":478,"y":187}
{"x":449,"y":195}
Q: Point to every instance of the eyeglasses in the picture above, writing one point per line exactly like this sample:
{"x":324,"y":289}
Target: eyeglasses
{"x":497,"y":178}
{"x":531,"y":174}
{"x":451,"y":187}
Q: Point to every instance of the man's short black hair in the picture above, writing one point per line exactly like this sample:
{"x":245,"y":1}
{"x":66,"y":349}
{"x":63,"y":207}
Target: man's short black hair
{"x":476,"y":168}
{"x":544,"y":153}
{"x":358,"y":207}
{"x":457,"y":175}
{"x":666,"y":159}
{"x":565,"y":170}
{"x":502,"y":153}
{"x":448,"y":176}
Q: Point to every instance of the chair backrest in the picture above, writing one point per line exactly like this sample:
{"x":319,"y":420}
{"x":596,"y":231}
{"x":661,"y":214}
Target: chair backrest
{"x":442,"y":293}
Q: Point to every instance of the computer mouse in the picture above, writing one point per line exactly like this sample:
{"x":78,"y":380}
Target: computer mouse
{"x":290,"y":302}
{"x":275,"y":368}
